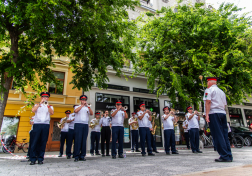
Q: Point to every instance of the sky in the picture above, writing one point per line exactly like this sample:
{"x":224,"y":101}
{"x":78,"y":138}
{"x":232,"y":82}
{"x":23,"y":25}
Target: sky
{"x":239,"y":3}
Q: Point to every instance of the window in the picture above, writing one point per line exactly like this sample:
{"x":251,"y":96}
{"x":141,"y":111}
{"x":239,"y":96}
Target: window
{"x":107,"y":98}
{"x":143,"y":90}
{"x":112,"y":86}
{"x":57,"y":89}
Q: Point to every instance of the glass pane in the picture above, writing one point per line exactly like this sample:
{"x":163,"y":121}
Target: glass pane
{"x":106,"y":98}
{"x":60,"y":88}
{"x":99,"y":97}
{"x":52,"y":88}
{"x":125,"y":100}
{"x":59,"y":75}
{"x":9,"y":127}
{"x":155,"y":103}
{"x":56,"y":132}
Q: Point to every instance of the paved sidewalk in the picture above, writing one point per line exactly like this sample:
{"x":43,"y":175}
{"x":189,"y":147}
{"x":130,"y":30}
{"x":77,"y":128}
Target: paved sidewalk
{"x":134,"y":164}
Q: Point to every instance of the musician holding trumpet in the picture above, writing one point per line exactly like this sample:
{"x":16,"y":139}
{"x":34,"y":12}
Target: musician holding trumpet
{"x":118,"y":116}
{"x":82,"y":113}
{"x":169,"y":135}
{"x":144,"y":117}
{"x":41,"y":125}
{"x":193,"y":125}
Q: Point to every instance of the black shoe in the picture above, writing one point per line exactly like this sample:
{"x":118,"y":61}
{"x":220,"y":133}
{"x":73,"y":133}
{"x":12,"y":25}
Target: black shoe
{"x":76,"y":160}
{"x":32,"y":163}
{"x":103,"y":155}
{"x":175,"y":152}
{"x":113,"y":157}
{"x":151,"y":154}
{"x":167,"y":153}
{"x":40,"y":162}
{"x":195,"y":152}
{"x":132,"y":150}
{"x":68,"y":157}
{"x":156,"y":151}
{"x":108,"y":155}
{"x":222,"y":160}
{"x":82,"y":159}
{"x":60,"y":155}
{"x":138,"y":151}
{"x":97,"y":154}
{"x":143,"y":154}
{"x":121,"y":156}
{"x":199,"y":151}
{"x":92,"y":154}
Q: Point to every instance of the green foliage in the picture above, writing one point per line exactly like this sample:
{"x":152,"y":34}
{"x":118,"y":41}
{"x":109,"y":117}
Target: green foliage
{"x":93,"y":34}
{"x":175,"y":48}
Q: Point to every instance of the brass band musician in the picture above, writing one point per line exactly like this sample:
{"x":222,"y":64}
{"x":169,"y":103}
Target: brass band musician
{"x":133,"y":122}
{"x":95,"y":125}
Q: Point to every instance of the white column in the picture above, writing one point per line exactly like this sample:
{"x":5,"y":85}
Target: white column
{"x":243,"y":117}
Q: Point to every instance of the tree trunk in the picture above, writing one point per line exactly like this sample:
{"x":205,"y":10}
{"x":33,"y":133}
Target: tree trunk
{"x":4,"y":96}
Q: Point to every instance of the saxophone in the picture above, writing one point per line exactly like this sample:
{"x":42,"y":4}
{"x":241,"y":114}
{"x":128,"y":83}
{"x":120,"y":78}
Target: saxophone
{"x":62,"y":124}
{"x":135,"y":125}
{"x":94,"y":123}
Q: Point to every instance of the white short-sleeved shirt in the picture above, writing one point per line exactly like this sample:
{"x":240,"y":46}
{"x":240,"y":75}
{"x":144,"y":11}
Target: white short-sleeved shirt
{"x":145,"y":120}
{"x":66,"y":126}
{"x":71,"y":124}
{"x":118,"y":119}
{"x":218,"y":99}
{"x":132,"y":119}
{"x":105,"y":121}
{"x":97,"y":128}
{"x":193,"y":123}
{"x":168,"y":123}
{"x":42,"y":115}
{"x":184,"y":125}
{"x":82,"y":116}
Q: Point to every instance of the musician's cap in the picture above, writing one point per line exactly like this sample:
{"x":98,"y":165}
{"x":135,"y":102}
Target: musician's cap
{"x":141,"y":104}
{"x":118,"y":101}
{"x":188,"y":107}
{"x":212,"y":78}
{"x":166,"y":107}
{"x":45,"y":94}
{"x":83,"y":97}
{"x":133,"y":113}
{"x":97,"y":113}
{"x":68,"y":112}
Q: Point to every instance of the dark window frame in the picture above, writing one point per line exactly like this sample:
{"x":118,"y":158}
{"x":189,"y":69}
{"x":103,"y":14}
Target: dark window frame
{"x":141,"y":90}
{"x":56,"y":85}
{"x":110,"y":86}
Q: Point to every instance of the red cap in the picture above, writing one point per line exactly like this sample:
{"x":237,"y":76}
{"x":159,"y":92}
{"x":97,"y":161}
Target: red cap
{"x":212,"y":78}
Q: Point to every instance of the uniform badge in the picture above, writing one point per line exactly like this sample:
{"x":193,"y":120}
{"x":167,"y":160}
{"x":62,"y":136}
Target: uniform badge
{"x":206,"y":95}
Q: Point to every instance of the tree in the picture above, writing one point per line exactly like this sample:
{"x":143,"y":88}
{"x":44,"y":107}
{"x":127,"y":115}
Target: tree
{"x":175,"y":48}
{"x":92,"y":33}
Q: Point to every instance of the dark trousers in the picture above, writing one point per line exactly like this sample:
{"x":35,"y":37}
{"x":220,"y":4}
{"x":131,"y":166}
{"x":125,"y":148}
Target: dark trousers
{"x":169,"y":137}
{"x":134,"y":139}
{"x":63,"y":138}
{"x":95,"y":139}
{"x":219,"y":131}
{"x":38,"y":142}
{"x":145,"y":135}
{"x":29,"y":149}
{"x":186,"y":135}
{"x":69,"y":142}
{"x":117,"y":134}
{"x":80,"y":135}
{"x":153,"y":142}
{"x":105,"y":136}
{"x":194,"y":139}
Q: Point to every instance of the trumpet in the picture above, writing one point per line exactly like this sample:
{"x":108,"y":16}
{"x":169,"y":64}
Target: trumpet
{"x":125,"y":108}
{"x":89,"y":105}
{"x":46,"y":103}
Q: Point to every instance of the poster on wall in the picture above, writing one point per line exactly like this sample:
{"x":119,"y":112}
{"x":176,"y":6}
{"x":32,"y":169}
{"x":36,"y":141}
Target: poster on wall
{"x":126,"y":135}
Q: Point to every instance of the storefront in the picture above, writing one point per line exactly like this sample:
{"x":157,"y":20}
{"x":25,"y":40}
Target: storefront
{"x":248,"y":115}
{"x":235,"y":116}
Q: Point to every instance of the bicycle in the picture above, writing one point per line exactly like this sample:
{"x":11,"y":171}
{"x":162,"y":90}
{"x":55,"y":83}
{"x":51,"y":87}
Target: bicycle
{"x":237,"y":140}
{"x":20,"y":146}
{"x":207,"y":141}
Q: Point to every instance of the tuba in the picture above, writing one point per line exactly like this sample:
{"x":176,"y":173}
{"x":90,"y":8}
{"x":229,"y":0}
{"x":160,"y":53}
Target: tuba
{"x":94,"y":123}
{"x":135,"y":125}
{"x":62,"y":124}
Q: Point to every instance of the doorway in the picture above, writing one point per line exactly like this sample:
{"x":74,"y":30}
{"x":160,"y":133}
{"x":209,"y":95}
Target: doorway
{"x":53,"y":143}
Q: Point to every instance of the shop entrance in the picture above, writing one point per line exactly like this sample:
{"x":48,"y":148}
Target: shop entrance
{"x":53,"y":143}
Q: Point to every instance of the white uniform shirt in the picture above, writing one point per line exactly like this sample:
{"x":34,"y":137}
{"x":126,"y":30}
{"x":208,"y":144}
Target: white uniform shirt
{"x":66,"y":126}
{"x":71,"y":124}
{"x":184,"y":125}
{"x":118,"y":119}
{"x":145,"y":120}
{"x":82,"y":116}
{"x":193,"y":122}
{"x":132,"y":119}
{"x":168,"y":123}
{"x":42,"y":115}
{"x":97,"y":128}
{"x":218,"y":99}
{"x":105,"y":121}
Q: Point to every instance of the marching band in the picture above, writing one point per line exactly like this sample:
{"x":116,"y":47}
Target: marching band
{"x":74,"y":127}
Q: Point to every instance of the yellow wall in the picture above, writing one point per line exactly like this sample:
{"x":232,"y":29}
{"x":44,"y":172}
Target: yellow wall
{"x":61,"y":103}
